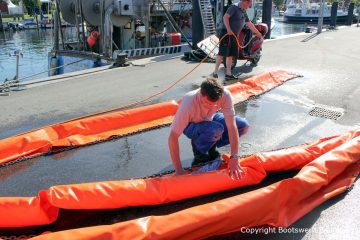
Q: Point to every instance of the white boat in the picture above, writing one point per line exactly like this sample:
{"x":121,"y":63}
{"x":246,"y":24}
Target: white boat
{"x":301,"y":12}
{"x":30,"y":23}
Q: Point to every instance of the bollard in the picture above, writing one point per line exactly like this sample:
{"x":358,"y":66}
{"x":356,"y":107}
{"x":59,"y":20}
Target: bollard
{"x":17,"y":54}
{"x":121,"y":60}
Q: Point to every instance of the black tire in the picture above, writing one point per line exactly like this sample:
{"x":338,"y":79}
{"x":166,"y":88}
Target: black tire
{"x":256,"y":59}
{"x":233,"y":65}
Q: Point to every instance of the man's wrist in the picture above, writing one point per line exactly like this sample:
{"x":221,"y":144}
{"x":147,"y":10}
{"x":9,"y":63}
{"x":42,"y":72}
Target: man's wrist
{"x":234,"y":156}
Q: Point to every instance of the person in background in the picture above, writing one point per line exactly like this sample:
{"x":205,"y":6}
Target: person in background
{"x":234,"y":20}
{"x":198,"y":118}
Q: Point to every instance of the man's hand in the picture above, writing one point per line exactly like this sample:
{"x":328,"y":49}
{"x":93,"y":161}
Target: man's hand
{"x":180,"y":172}
{"x":235,"y":170}
{"x":230,"y":32}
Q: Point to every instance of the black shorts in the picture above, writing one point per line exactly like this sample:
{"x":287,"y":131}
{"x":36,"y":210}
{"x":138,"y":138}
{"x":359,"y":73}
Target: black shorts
{"x":228,"y":46}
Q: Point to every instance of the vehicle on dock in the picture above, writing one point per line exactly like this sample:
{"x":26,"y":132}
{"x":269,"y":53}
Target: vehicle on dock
{"x":250,"y":50}
{"x":252,"y":45}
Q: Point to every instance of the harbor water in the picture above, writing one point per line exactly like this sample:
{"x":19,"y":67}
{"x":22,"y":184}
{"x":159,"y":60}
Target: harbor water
{"x":36,"y":44}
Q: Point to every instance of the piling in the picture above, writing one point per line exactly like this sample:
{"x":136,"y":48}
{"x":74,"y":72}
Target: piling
{"x":197,"y":24}
{"x":350,"y":14}
{"x":321,"y":17}
{"x":1,"y":22}
{"x":334,"y":8}
{"x":266,"y":16}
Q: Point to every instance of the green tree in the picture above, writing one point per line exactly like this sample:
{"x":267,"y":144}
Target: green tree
{"x":30,"y":4}
{"x":278,"y":3}
{"x":356,"y":2}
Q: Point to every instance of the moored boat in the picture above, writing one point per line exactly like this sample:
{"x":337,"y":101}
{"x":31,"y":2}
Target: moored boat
{"x":309,"y":12}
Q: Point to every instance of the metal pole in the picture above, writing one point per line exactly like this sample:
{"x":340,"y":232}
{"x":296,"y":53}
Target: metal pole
{"x":56,"y":30}
{"x":82,"y":27}
{"x":146,"y":7}
{"x":17,"y":54}
{"x":321,"y":17}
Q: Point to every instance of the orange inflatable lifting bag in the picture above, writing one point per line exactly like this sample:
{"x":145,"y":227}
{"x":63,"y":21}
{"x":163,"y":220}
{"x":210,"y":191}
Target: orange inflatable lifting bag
{"x":322,"y":178}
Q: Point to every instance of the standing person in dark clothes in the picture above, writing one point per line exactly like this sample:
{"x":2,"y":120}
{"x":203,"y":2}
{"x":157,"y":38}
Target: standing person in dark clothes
{"x":234,"y":20}
{"x":198,"y":118}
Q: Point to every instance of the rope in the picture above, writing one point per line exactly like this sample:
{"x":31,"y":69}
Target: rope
{"x":52,"y":69}
{"x":6,"y":85}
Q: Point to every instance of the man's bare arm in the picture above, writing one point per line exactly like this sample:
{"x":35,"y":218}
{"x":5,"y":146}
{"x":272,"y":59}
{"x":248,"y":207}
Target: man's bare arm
{"x":173,"y":142}
{"x":254,"y":29}
{"x":235,"y":169}
{"x":227,"y":23}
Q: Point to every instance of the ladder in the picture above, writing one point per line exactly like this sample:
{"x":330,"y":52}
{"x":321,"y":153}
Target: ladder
{"x":207,"y":18}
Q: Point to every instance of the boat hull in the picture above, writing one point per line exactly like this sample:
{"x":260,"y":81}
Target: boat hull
{"x":312,"y":19}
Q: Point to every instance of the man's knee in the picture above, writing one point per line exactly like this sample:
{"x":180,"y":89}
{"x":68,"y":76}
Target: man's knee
{"x":215,"y":130}
{"x":244,"y":130}
{"x":242,"y":125}
{"x":210,"y":130}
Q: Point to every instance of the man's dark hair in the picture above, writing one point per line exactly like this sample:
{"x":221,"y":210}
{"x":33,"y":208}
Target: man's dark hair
{"x":212,"y":89}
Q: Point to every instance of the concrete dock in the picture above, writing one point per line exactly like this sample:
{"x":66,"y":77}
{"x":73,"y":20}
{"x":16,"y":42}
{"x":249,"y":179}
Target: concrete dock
{"x":329,"y":63}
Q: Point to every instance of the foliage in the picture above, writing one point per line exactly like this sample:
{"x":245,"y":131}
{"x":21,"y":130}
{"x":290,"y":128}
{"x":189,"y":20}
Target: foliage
{"x":279,"y":3}
{"x":356,"y":2}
